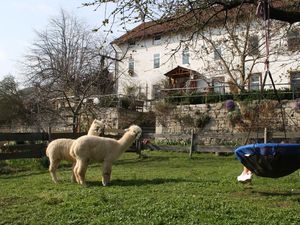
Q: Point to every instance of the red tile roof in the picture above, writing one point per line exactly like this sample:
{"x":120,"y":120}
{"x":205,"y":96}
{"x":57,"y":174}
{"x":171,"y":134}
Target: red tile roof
{"x":148,"y":29}
{"x":181,"y":72}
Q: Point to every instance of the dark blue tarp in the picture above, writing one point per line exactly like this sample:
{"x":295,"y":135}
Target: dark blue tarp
{"x":270,"y":159}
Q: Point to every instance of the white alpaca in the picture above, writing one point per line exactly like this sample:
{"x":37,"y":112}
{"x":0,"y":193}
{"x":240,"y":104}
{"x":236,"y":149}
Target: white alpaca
{"x":100,"y":149}
{"x":97,"y":128}
{"x":59,"y":149}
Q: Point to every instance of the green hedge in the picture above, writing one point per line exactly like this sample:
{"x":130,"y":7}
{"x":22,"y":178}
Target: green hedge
{"x":198,"y":98}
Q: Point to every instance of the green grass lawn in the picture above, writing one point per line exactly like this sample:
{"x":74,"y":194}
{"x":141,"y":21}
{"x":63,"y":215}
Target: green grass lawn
{"x":165,"y":188}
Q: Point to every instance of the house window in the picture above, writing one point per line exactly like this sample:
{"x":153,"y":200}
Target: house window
{"x":131,"y":66}
{"x":155,"y":91}
{"x":254,"y":81}
{"x":217,"y":53}
{"x":186,"y":56}
{"x":218,"y":85}
{"x":157,"y":40}
{"x":201,"y":85}
{"x":293,"y":40}
{"x":253,"y":45}
{"x":156,"y":60}
{"x":295,"y":80}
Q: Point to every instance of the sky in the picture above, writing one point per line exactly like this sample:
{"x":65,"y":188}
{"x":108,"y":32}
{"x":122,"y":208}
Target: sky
{"x":20,"y":18}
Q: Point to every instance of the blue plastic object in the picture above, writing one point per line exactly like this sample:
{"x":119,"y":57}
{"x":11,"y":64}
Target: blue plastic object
{"x":270,"y":159}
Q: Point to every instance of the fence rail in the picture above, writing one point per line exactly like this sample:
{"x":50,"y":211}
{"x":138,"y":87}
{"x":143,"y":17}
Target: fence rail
{"x":33,"y":152}
{"x":196,"y":140}
{"x":33,"y":145}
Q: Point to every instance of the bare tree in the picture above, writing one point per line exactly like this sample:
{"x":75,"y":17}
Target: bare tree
{"x":238,"y":48}
{"x":67,"y":64}
{"x":134,"y":11}
{"x":11,"y":102}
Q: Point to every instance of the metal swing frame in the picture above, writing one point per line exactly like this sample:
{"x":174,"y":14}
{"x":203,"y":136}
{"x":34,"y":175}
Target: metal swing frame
{"x":269,"y":159}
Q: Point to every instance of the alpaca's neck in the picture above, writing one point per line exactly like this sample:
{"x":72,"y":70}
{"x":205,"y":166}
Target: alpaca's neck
{"x":125,"y":142}
{"x":92,"y":131}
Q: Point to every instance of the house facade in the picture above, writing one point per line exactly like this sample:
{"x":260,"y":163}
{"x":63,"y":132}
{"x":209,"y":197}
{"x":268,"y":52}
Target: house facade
{"x":217,"y":58}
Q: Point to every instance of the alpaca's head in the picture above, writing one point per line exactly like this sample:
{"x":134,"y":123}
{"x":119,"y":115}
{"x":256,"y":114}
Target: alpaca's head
{"x":97,"y":127}
{"x":135,"y":131}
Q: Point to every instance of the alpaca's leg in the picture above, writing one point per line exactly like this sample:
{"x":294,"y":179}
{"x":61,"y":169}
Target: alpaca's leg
{"x":73,"y":172}
{"x":106,"y":173}
{"x":52,"y":169}
{"x":81,"y":170}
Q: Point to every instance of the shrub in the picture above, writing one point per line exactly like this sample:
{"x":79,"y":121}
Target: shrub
{"x":229,"y":104}
{"x":184,"y":97}
{"x":125,"y":102}
{"x":234,"y":117}
{"x":202,"y":120}
{"x":44,"y":161}
{"x":297,"y":105}
{"x":162,"y":111}
{"x":187,"y":120}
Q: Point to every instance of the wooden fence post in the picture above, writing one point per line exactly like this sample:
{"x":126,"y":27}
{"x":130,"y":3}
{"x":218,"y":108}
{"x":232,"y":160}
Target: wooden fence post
{"x":192,"y":143}
{"x":265,"y":135}
{"x":138,"y":147}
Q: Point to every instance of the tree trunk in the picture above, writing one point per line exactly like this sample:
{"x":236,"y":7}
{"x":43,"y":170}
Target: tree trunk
{"x":75,"y":123}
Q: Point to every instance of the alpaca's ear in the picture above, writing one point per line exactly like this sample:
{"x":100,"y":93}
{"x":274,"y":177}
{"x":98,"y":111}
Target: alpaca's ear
{"x":126,"y":129}
{"x":99,"y":121}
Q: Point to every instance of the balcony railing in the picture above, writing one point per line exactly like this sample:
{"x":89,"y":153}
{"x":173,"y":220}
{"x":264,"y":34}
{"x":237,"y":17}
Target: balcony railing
{"x":194,"y":95}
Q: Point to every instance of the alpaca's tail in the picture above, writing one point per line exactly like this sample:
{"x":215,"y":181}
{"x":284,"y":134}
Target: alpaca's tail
{"x":47,"y":152}
{"x":47,"y":149}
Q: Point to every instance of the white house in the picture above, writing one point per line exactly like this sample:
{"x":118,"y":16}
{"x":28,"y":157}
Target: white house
{"x":218,"y":57}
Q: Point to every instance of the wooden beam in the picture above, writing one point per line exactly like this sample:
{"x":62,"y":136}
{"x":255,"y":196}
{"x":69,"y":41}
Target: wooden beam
{"x":213,"y":149}
{"x":20,"y":148}
{"x":192,"y":143}
{"x":22,"y":155}
{"x":23,"y":136}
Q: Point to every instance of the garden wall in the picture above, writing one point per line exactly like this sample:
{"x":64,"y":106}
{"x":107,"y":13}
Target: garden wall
{"x":226,"y":118}
{"x":120,"y":118}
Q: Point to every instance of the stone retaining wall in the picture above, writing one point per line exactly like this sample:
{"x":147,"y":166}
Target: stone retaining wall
{"x":183,"y":118}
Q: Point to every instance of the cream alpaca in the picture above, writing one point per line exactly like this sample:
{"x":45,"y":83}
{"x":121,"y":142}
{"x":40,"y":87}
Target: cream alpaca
{"x":59,"y":149}
{"x":100,"y":149}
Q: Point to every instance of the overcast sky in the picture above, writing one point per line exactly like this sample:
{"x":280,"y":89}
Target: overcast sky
{"x":19,"y":19}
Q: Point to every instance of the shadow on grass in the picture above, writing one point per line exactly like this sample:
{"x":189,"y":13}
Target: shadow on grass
{"x":143,"y":182}
{"x":24,"y":173}
{"x":285,"y":194}
{"x":143,"y":160}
